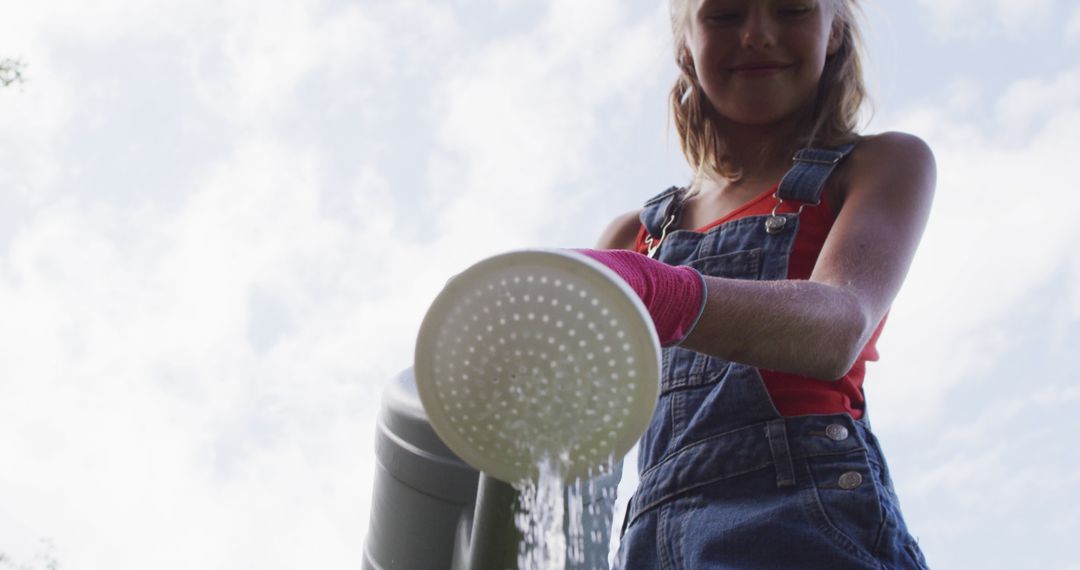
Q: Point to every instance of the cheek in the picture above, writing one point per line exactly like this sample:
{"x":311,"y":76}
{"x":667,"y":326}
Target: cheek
{"x":698,"y":50}
{"x":708,"y":61}
{"x":708,"y":48}
{"x":814,"y":48}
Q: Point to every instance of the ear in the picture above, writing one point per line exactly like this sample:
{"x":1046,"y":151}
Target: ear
{"x":836,"y":36}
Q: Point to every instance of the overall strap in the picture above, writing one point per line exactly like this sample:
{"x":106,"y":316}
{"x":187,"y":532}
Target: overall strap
{"x":806,"y":179}
{"x":804,"y":182}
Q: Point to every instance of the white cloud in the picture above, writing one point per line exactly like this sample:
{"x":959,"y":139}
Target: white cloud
{"x":1072,"y":26}
{"x":523,"y":115}
{"x":974,"y":18}
{"x":137,"y":396}
{"x":271,"y":51}
{"x":1033,"y":103}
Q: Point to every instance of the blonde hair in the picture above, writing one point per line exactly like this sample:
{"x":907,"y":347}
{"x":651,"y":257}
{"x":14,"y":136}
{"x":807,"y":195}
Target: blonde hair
{"x":840,"y":97}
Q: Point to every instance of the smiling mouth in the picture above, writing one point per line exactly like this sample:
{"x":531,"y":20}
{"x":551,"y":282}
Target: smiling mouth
{"x":762,"y":70}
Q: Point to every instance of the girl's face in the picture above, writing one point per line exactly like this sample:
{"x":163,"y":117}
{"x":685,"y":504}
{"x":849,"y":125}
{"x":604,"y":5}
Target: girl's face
{"x":760,"y":61}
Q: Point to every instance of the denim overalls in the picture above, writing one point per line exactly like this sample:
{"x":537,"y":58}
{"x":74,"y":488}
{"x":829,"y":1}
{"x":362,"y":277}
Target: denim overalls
{"x":726,"y":482}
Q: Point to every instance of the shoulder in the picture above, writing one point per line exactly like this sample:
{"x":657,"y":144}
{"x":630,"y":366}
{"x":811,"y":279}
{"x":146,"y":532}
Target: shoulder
{"x":880,"y":154}
{"x":893,"y":146}
{"x":892,"y":163}
{"x":622,"y":232}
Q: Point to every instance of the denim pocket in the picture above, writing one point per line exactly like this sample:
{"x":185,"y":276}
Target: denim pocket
{"x":843,"y":502}
{"x":735,"y":265}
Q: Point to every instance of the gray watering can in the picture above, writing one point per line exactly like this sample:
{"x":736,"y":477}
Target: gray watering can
{"x":525,"y":360}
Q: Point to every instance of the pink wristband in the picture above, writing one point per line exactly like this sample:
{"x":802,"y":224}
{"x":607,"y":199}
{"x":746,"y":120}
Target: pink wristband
{"x":674,"y":296}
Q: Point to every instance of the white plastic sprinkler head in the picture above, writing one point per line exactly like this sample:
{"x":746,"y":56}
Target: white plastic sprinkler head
{"x":534,"y":356}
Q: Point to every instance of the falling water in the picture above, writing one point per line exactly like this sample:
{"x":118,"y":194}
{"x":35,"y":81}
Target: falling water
{"x":564,"y":526}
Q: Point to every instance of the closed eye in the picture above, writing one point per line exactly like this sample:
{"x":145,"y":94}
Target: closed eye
{"x":722,"y":17}
{"x":794,"y":11}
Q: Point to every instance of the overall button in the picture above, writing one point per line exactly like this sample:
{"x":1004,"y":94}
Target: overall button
{"x":836,"y":432}
{"x":850,"y":480}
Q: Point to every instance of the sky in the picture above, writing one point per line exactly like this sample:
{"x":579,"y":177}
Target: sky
{"x":222,"y":222}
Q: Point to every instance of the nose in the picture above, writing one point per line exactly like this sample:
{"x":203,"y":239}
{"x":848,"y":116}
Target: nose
{"x":759,"y":29}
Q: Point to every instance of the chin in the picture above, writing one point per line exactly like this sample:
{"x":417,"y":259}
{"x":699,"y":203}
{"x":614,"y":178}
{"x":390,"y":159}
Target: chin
{"x":757,"y":118}
{"x":759,"y":112}
{"x":760,"y":120}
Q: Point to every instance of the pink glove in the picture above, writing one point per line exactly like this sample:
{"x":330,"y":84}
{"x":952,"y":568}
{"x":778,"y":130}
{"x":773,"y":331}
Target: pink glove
{"x":674,"y":296}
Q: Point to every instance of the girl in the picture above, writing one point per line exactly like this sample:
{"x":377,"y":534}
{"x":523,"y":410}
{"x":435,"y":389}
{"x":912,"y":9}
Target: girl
{"x":768,"y":280}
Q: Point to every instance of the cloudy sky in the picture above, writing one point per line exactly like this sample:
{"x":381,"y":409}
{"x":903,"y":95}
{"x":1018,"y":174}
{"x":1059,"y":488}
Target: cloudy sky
{"x":222,"y":221}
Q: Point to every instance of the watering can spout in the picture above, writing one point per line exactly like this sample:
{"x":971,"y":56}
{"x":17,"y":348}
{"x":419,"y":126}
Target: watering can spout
{"x":495,"y":537}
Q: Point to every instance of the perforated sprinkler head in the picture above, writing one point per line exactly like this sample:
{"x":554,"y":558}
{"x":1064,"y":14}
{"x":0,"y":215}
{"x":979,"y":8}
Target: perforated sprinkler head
{"x":535,"y":356}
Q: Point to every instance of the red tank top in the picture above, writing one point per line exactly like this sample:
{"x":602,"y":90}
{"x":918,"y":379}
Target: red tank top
{"x":792,"y":394}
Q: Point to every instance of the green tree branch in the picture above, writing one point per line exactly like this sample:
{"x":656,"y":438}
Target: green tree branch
{"x":11,"y":71}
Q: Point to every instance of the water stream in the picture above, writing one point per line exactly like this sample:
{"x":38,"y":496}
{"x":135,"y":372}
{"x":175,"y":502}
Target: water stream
{"x":565,"y":526}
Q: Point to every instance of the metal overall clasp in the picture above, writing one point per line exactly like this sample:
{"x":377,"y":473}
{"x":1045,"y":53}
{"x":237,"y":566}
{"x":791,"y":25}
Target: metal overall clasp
{"x":776,"y":223}
{"x":654,"y":245}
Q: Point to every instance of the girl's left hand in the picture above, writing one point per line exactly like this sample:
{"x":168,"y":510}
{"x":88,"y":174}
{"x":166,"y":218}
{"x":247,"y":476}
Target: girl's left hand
{"x":674,"y":296}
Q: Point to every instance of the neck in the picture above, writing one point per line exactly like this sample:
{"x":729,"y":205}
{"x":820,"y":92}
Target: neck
{"x":762,"y":151}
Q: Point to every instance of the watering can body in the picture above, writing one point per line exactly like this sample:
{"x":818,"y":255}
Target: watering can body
{"x":423,"y":495}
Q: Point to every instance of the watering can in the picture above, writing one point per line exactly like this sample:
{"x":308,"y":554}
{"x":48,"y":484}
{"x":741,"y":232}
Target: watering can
{"x":525,"y":359}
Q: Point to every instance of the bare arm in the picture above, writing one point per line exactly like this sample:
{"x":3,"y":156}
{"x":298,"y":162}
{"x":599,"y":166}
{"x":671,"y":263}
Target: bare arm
{"x":621,"y":233}
{"x":817,"y":328}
